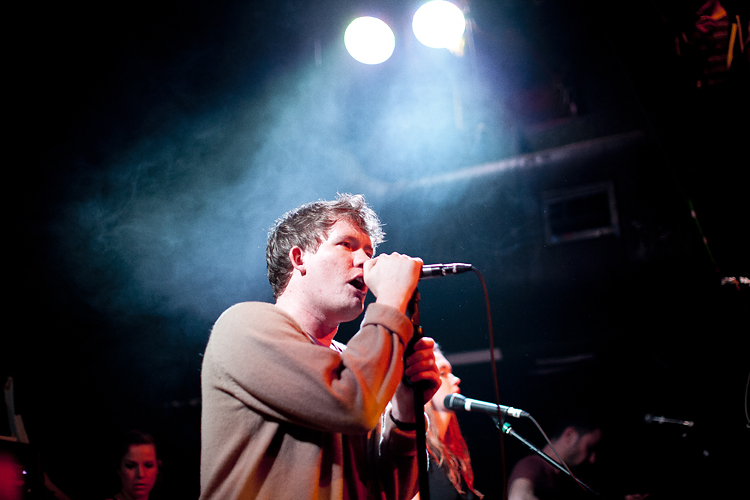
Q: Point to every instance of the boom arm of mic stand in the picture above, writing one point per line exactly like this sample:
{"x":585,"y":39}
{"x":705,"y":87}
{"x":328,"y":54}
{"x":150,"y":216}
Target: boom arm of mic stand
{"x":507,"y":429}
{"x":418,"y":390}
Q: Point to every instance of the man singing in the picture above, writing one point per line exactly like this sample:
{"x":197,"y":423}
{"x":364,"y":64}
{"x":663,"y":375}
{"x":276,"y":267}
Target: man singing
{"x":288,"y":412}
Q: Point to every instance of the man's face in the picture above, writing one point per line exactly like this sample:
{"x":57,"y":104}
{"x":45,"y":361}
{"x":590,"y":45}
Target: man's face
{"x":584,"y":449}
{"x":334,"y":275}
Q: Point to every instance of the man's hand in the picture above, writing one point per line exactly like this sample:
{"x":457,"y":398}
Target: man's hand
{"x":420,"y":367}
{"x":392,"y":278}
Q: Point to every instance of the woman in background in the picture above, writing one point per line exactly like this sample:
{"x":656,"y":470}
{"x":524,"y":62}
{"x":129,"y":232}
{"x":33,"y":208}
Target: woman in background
{"x":138,"y":466}
{"x":450,"y":473}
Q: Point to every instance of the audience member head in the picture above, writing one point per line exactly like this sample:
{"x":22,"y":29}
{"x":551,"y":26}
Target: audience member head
{"x":137,"y":466}
{"x":307,"y":227}
{"x":576,"y":436}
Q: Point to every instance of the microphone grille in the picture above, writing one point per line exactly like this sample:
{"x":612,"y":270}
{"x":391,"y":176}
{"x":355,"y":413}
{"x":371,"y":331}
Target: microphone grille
{"x":453,"y":401}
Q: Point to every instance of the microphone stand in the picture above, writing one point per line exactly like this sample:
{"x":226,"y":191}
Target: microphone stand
{"x":507,"y":429}
{"x":418,"y":390}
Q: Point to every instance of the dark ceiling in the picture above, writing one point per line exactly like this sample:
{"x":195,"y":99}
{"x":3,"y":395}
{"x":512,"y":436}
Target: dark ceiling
{"x":156,"y":143}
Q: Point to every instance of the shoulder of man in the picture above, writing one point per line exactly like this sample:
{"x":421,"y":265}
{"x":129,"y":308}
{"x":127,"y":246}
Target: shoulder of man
{"x":257,"y":311}
{"x":529,"y":467}
{"x":259,"y":317}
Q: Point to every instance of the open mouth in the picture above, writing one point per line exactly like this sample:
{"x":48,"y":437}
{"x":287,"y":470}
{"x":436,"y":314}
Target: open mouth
{"x":358,"y":283}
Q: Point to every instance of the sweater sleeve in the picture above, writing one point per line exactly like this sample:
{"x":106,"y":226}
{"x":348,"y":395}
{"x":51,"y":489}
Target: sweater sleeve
{"x":397,"y":461}
{"x":260,"y":356}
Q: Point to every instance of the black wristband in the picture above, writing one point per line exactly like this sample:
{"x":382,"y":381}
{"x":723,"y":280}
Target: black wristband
{"x":404,"y":426}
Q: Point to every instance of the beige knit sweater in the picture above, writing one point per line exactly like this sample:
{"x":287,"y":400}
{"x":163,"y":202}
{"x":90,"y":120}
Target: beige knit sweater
{"x":286,"y":418}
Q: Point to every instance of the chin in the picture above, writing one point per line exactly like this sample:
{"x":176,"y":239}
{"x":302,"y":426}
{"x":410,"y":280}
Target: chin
{"x":354,"y":313}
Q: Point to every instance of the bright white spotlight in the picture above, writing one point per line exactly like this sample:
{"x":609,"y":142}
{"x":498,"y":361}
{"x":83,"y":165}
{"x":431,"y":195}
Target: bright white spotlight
{"x":439,"y":24}
{"x":369,"y":40}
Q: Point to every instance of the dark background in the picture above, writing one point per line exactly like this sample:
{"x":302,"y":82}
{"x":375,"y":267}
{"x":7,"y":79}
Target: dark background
{"x":153,"y":145}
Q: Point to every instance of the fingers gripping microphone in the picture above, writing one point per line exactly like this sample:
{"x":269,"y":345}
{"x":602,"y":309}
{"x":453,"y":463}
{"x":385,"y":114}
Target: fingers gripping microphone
{"x":437,"y":270}
{"x":458,"y":402}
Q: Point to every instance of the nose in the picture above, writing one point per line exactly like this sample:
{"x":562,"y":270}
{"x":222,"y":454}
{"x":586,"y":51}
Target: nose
{"x":456,"y":380}
{"x":360,"y":257}
{"x":140,"y":472}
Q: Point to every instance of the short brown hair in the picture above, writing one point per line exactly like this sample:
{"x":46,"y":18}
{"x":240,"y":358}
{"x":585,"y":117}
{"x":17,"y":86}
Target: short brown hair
{"x":307,"y":226}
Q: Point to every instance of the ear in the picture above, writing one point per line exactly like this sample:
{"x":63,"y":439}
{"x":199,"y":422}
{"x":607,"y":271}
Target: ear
{"x":297,"y":258}
{"x":570,"y":435}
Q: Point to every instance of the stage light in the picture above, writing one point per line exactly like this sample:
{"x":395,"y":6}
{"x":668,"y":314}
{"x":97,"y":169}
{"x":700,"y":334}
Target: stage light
{"x":439,"y":24}
{"x":369,"y":40}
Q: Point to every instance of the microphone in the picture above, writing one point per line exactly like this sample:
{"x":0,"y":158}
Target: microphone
{"x":458,"y":402}
{"x":648,"y":418}
{"x":437,"y":270}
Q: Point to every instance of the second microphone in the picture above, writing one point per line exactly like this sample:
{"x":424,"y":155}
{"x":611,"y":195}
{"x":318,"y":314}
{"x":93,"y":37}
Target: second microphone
{"x":458,"y":402}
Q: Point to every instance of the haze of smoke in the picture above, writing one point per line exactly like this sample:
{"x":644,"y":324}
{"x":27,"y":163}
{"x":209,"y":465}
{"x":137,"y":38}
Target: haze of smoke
{"x":179,"y":223}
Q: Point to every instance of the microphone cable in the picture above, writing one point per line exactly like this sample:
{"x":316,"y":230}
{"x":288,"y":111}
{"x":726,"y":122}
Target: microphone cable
{"x":495,"y":380}
{"x":496,"y":384}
